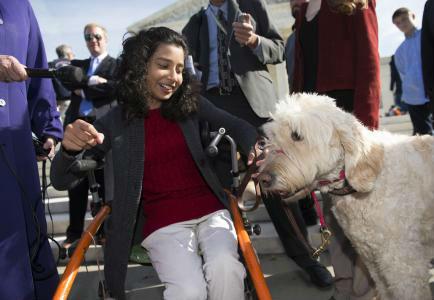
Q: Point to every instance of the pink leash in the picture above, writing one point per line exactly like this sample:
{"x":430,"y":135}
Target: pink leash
{"x":318,"y":210}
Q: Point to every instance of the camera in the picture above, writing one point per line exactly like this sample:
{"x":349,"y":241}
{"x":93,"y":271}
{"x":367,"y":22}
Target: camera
{"x":39,"y":146}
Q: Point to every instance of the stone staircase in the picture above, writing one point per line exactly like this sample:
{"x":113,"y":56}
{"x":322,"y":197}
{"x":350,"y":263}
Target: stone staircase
{"x":57,"y":217}
{"x":397,"y":124}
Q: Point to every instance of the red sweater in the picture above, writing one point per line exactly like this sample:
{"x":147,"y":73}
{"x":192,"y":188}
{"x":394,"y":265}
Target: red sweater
{"x":347,"y":58}
{"x":173,"y":188}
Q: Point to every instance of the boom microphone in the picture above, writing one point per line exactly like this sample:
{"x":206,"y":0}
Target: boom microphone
{"x":66,"y":74}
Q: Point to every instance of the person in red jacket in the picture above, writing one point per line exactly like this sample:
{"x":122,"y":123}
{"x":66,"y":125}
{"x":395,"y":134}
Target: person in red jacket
{"x":336,"y":54}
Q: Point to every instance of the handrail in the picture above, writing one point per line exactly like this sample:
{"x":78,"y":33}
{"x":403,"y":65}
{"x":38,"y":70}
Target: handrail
{"x":249,"y":254}
{"x":68,"y":277}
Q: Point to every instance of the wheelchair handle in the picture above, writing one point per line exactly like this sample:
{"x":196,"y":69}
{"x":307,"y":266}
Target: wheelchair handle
{"x":84,"y":165}
{"x":89,"y":165}
{"x":212,"y":149}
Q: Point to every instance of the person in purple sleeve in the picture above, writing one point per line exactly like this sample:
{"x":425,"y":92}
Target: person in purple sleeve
{"x":27,"y":267}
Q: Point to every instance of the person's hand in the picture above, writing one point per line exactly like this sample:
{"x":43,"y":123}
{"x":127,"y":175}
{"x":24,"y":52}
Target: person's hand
{"x":95,"y":79}
{"x":78,"y":92}
{"x":11,"y":69}
{"x":257,"y":155}
{"x":244,"y":33}
{"x":49,"y":144}
{"x":81,"y":135}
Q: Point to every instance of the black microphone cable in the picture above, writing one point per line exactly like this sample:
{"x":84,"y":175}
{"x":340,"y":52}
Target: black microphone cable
{"x":45,"y":196}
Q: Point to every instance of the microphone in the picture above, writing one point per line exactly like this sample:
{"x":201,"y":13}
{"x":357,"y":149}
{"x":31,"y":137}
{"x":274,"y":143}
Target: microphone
{"x":66,"y":74}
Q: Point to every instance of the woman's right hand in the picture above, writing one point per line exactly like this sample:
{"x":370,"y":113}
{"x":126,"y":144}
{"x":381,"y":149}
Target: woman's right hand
{"x":81,"y":135}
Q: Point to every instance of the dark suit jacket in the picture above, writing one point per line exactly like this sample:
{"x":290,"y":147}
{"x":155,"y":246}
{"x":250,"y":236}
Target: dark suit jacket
{"x":250,"y":70}
{"x":126,"y":140}
{"x":101,"y":95}
{"x":348,"y":58}
{"x":427,"y":48}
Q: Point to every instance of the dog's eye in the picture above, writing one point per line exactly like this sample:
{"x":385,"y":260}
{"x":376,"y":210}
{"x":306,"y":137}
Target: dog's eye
{"x":296,"y":137}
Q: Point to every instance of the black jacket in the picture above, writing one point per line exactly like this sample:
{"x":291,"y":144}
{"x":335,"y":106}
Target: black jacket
{"x":427,"y":49}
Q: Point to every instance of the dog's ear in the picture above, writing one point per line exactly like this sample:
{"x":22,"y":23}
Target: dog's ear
{"x":363,"y":157}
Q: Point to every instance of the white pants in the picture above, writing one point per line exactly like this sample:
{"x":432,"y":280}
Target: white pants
{"x":198,"y":259}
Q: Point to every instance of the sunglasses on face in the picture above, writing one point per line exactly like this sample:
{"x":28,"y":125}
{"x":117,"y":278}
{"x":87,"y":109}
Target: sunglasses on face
{"x":89,"y":36}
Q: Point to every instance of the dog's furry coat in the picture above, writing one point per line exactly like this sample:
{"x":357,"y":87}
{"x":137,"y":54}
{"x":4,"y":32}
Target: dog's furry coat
{"x":390,"y":220}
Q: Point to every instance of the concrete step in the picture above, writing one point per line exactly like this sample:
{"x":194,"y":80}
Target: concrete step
{"x":397,"y":124}
{"x":258,"y":215}
{"x":93,"y":254}
{"x":60,"y":222}
{"x":268,"y":242}
{"x":53,"y":193}
{"x":284,"y":279}
{"x":59,"y":205}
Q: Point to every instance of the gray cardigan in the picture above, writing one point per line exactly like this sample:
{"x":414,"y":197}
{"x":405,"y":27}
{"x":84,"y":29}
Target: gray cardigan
{"x":127,"y":144}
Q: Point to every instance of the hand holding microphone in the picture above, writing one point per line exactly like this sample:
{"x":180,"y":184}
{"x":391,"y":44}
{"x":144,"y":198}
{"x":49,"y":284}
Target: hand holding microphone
{"x":11,"y":69}
{"x":81,"y":135}
{"x":67,"y":75}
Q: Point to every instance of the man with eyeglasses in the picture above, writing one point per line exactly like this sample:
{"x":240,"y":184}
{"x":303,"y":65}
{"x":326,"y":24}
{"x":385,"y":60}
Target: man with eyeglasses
{"x":90,"y":100}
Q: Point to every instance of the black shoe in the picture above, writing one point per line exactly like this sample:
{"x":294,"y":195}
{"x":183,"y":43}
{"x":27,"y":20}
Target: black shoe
{"x":319,"y":275}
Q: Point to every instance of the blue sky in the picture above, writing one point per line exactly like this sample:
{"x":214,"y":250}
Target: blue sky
{"x":62,"y":21}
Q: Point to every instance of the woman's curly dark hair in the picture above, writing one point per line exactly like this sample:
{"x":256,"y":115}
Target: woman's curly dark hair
{"x":132,"y":92}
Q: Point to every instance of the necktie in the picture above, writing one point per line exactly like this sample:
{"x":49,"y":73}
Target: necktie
{"x":86,"y":105}
{"x":226,"y":77}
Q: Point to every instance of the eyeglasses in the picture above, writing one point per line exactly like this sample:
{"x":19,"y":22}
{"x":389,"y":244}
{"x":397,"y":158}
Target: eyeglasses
{"x":89,"y":36}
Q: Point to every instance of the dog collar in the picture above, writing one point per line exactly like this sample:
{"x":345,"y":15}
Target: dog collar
{"x":345,"y":190}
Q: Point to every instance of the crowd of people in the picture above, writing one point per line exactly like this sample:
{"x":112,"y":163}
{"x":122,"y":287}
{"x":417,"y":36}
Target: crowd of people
{"x":137,"y":110}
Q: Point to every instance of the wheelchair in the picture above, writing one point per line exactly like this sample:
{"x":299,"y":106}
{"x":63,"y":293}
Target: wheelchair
{"x":255,"y":285}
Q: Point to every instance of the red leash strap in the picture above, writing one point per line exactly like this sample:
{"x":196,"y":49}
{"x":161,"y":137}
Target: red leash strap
{"x":325,"y":232}
{"x":318,"y":210}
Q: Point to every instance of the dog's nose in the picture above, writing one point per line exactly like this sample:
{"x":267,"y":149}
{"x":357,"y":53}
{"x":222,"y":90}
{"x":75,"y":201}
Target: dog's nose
{"x":265,"y":180}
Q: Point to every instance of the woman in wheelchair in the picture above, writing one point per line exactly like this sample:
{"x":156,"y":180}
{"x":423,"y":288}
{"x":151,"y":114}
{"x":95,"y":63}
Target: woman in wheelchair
{"x":161,"y":174}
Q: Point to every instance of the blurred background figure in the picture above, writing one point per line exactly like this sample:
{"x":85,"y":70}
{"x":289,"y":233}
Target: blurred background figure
{"x":290,"y":42}
{"x":63,"y":95}
{"x":90,"y":100}
{"x":408,"y":62}
{"x":396,"y":88}
{"x":427,"y":45}
{"x":27,"y":267}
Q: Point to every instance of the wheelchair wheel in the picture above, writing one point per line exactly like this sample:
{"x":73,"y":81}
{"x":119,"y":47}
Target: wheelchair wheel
{"x":249,"y":290}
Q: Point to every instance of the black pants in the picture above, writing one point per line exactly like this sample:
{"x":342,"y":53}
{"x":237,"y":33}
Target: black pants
{"x":237,"y":104}
{"x":78,"y":198}
{"x":421,"y":118}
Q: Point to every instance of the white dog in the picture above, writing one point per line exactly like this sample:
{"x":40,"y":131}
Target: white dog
{"x":390,"y":217}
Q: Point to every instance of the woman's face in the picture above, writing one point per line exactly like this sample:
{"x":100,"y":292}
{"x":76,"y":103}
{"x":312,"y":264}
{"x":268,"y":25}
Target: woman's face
{"x":164,"y":73}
